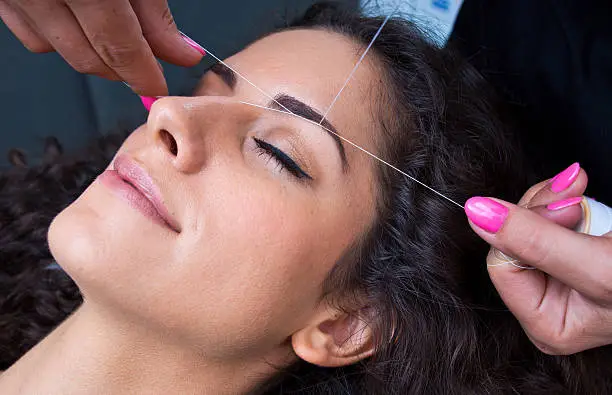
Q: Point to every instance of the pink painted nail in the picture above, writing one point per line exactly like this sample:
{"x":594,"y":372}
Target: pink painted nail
{"x":563,"y":180}
{"x":486,"y":213}
{"x":193,"y":44}
{"x":561,"y":204}
{"x":148,"y":101}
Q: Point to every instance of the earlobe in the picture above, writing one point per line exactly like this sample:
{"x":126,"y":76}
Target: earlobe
{"x":334,"y":339}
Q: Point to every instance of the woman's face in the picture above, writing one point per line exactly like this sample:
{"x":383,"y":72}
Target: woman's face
{"x":261,"y":204}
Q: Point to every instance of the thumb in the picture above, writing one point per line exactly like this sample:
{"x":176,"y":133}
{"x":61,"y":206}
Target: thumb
{"x":578,"y":260}
{"x":161,"y":33}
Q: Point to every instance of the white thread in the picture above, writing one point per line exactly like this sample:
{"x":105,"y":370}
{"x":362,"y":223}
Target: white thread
{"x":247,"y":80}
{"x":358,"y":147}
{"x":513,"y":263}
{"x":319,"y":124}
{"x":357,"y":65}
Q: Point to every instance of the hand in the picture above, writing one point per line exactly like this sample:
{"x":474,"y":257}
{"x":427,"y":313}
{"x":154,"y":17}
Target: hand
{"x":114,"y":39}
{"x":565,"y":306}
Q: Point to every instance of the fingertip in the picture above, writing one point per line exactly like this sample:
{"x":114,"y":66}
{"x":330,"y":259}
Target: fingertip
{"x":565,"y":203}
{"x":177,"y":49}
{"x":192,"y":44}
{"x":566,"y":213}
{"x":486,"y":213}
{"x":145,"y":76}
{"x":149,"y":88}
{"x":566,"y":178}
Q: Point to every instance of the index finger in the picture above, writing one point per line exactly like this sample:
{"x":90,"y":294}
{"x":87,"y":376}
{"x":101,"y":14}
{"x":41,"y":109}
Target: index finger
{"x":580,"y":261}
{"x":113,"y":29}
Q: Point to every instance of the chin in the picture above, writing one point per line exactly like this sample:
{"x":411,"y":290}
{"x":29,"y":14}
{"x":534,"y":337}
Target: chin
{"x":73,"y":241}
{"x":97,"y":240}
{"x":79,"y":243}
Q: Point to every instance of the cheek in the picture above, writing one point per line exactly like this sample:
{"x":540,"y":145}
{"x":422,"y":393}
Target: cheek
{"x":254,"y":238}
{"x":257,"y":263}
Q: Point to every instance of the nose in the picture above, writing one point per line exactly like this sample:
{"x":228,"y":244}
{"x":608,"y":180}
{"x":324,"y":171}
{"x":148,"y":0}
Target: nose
{"x":187,"y":130}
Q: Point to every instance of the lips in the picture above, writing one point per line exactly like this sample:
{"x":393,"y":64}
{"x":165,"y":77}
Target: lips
{"x":131,"y":173}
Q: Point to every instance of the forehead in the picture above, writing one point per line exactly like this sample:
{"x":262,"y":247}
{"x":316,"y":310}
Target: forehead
{"x":312,"y":65}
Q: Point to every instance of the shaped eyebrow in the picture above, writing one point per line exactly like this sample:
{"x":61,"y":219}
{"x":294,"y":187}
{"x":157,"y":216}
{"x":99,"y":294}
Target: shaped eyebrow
{"x":284,"y":102}
{"x":227,"y":75}
{"x":303,"y":110}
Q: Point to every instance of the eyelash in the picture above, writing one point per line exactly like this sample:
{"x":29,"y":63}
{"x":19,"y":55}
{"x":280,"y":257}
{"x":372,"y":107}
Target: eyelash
{"x":283,"y":160}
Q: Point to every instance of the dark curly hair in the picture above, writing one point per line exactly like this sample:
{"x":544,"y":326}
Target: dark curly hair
{"x":439,"y":325}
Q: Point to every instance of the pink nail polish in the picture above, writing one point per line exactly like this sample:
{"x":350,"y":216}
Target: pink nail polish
{"x":486,"y":213}
{"x":561,"y":204}
{"x":193,"y":44}
{"x":563,"y":180}
{"x":148,"y":101}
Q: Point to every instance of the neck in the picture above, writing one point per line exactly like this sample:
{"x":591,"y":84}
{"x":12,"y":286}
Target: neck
{"x":95,"y":352}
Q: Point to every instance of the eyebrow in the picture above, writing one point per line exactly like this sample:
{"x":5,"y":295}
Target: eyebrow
{"x":284,"y":102}
{"x":227,"y":75}
{"x":303,"y":110}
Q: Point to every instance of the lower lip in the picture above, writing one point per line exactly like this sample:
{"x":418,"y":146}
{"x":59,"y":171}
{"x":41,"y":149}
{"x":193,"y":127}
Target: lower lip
{"x":131,"y":195}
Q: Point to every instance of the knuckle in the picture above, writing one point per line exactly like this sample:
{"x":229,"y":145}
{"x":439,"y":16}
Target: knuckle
{"x":88,"y":65}
{"x":604,"y":288}
{"x":602,"y":276}
{"x":167,"y":18}
{"x":552,"y":344}
{"x":118,"y":56}
{"x":160,"y":27}
{"x":561,"y":341}
{"x":548,"y":350}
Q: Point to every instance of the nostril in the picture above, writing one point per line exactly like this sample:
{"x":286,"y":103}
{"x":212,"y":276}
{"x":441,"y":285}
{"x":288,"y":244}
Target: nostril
{"x":169,"y":141}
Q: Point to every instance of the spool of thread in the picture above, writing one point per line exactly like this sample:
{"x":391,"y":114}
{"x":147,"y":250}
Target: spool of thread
{"x":596,"y":218}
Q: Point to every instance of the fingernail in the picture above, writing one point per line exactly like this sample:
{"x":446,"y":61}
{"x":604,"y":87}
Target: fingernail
{"x":486,"y":213}
{"x":148,"y":101}
{"x":563,"y":180}
{"x":193,"y":44}
{"x":561,"y":204}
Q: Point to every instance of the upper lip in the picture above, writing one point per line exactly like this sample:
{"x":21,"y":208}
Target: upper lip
{"x":130,"y":171}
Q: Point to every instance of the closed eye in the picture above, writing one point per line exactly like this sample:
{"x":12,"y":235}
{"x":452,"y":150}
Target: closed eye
{"x":281,"y":158}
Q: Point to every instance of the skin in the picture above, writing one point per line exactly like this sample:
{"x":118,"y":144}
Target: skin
{"x":565,"y":305}
{"x":209,"y":308}
{"x":114,"y":39}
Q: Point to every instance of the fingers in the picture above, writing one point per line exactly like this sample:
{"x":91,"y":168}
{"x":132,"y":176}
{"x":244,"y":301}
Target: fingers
{"x":56,"y":22}
{"x":557,"y":319}
{"x":575,"y":182}
{"x":115,"y":39}
{"x":566,"y":212}
{"x":113,"y":30}
{"x":23,"y":30}
{"x":564,"y":306}
{"x":160,"y":31}
{"x":580,"y":261}
{"x":103,"y":38}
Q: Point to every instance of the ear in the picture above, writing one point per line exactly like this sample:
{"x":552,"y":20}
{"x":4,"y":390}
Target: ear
{"x":334,"y":338}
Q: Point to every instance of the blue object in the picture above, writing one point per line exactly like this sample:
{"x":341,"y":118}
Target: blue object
{"x":441,"y":4}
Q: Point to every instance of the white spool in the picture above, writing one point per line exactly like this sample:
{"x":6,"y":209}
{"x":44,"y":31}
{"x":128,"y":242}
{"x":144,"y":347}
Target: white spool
{"x":596,"y":218}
